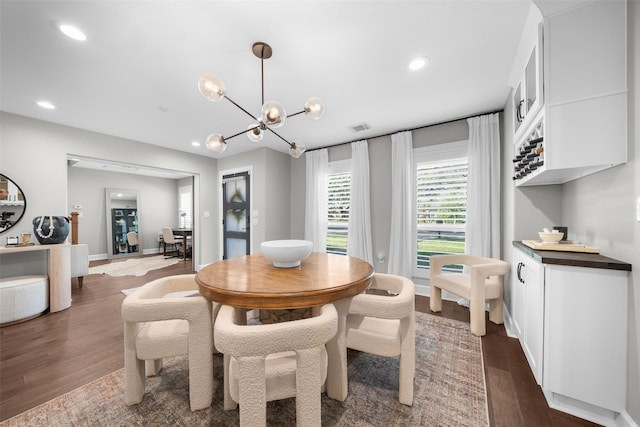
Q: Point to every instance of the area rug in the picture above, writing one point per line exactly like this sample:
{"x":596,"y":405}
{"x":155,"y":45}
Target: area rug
{"x":449,"y":391}
{"x":133,"y":266}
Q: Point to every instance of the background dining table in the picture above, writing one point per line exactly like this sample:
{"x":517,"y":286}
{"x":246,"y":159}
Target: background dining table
{"x":252,"y":282}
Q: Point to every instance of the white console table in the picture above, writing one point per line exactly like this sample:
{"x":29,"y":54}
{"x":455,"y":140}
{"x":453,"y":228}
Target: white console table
{"x":58,"y":270}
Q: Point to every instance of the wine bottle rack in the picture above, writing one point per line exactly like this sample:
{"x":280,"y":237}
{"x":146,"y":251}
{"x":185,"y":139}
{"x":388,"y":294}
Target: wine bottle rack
{"x":529,"y":155}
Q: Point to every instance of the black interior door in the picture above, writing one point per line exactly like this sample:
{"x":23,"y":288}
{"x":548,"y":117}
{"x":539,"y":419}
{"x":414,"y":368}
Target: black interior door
{"x":235,"y":215}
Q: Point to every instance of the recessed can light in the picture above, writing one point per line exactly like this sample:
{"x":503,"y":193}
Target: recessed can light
{"x":418,"y":63}
{"x":46,"y":104}
{"x":72,"y":32}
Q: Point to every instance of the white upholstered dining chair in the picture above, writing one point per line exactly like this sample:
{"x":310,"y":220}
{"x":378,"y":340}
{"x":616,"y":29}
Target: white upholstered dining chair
{"x":170,"y":239}
{"x":159,"y":325}
{"x":274,"y":361}
{"x":382,"y":322}
{"x":483,"y":281}
{"x":79,"y":262}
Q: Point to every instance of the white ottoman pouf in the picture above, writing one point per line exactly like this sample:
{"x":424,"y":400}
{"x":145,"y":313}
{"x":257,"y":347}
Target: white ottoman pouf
{"x":22,"y":297}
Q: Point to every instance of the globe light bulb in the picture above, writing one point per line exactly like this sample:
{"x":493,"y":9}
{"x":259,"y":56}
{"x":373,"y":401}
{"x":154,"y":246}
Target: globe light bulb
{"x":216,"y":143}
{"x":254,"y":133}
{"x":296,"y":149}
{"x":314,"y":108}
{"x":273,"y":114}
{"x":211,"y":86}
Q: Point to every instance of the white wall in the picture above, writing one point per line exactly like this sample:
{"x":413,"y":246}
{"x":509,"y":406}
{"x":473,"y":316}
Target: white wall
{"x":34,"y":154}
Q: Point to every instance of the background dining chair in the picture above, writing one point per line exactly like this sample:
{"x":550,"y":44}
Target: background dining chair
{"x":275,"y":361}
{"x":157,"y":326}
{"x":79,"y":262}
{"x":483,"y":281}
{"x":132,"y":240}
{"x":170,"y":239}
{"x":383,"y":323}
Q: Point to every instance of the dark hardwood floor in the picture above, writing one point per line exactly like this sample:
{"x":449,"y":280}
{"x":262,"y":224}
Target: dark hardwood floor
{"x":56,"y":353}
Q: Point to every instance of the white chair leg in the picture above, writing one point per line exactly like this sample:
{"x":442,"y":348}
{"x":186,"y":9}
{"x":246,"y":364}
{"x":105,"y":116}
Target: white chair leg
{"x":495,"y":311}
{"x":200,"y":371}
{"x":308,"y":384}
{"x":252,"y":393}
{"x":476,"y":310}
{"x":133,"y":367}
{"x":153,"y":367}
{"x":229,"y":403}
{"x":407,"y":360}
{"x":435,"y":298}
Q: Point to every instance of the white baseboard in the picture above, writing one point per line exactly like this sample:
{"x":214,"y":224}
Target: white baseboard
{"x":98,"y":257}
{"x":508,"y":322}
{"x":587,"y":411}
{"x":625,"y":420}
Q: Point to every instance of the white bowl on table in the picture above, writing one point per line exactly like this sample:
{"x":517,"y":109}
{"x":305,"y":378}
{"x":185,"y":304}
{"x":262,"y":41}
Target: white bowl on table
{"x":286,"y":253}
{"x":550,"y":237}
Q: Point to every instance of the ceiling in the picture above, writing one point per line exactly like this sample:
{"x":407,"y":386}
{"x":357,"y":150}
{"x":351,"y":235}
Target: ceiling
{"x":136,"y":74}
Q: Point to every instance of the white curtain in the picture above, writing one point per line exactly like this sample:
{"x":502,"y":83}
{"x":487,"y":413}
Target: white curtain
{"x":401,"y":245}
{"x":315,"y":218}
{"x":483,"y":187}
{"x":359,"y":244}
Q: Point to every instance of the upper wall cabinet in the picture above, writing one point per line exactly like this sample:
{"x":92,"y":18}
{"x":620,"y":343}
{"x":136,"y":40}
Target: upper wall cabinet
{"x":527,"y":95}
{"x":581,"y":127}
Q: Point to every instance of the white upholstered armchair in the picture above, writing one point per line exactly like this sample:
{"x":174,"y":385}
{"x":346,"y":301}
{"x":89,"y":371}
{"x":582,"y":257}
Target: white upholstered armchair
{"x":274,"y":361}
{"x":484,"y":281}
{"x":157,"y":327}
{"x":384,"y":324}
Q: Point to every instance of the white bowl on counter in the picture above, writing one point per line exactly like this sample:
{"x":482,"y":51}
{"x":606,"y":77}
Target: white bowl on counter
{"x":550,"y":237}
{"x":286,"y":253}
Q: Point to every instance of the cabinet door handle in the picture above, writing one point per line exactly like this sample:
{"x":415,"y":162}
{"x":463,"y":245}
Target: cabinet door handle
{"x":519,"y":115}
{"x":519,"y":272}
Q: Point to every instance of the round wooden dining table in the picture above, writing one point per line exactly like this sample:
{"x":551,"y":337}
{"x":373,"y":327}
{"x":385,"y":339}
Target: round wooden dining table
{"x":252,"y":282}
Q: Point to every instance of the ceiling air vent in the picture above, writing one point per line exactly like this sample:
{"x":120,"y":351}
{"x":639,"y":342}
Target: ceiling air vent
{"x":359,"y":127}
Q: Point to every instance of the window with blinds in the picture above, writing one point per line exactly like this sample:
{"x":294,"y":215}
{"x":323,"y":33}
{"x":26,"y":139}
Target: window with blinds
{"x":339,"y":194}
{"x":185,"y":203}
{"x":441,"y":204}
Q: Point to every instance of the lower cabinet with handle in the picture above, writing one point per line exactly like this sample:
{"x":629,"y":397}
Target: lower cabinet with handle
{"x":569,"y":312}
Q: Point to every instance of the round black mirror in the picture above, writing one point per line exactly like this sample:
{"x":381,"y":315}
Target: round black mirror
{"x":13,"y":204}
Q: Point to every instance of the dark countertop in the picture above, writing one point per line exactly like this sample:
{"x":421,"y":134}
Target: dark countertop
{"x":574,"y":259}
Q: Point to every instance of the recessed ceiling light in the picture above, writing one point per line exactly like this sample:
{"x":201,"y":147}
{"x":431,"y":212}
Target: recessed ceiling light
{"x":72,"y":32}
{"x":195,"y":143}
{"x":418,"y":63}
{"x":46,"y":104}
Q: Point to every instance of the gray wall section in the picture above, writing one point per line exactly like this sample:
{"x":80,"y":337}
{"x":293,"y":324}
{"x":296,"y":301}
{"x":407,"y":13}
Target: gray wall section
{"x":34,"y":154}
{"x":380,"y":180}
{"x":270,"y":192}
{"x":157,"y":207}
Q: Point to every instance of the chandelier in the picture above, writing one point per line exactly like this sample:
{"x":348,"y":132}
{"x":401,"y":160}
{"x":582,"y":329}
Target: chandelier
{"x":272,"y":114}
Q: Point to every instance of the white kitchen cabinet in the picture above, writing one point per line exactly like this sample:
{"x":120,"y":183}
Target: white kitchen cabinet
{"x":527,"y":95}
{"x":573,"y":329}
{"x":528,"y":294}
{"x":581,"y":127}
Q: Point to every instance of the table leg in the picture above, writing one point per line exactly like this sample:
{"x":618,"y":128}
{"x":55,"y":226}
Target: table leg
{"x":337,"y":381}
{"x":59,"y":277}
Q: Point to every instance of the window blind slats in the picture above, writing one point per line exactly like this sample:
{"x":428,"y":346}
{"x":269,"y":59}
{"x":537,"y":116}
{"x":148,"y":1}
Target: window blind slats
{"x":441,"y":209}
{"x":338,"y":212}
